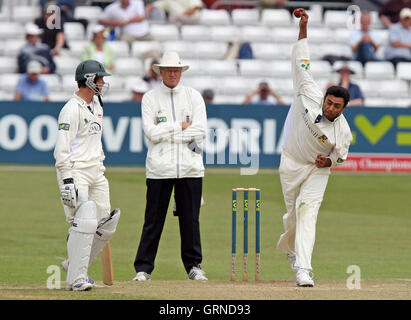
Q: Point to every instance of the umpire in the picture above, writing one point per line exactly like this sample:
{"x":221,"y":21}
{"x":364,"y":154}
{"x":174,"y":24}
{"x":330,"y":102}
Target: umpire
{"x":174,"y":122}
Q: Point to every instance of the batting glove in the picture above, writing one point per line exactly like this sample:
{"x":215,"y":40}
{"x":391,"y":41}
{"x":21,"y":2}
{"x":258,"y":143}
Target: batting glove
{"x":69,"y":193}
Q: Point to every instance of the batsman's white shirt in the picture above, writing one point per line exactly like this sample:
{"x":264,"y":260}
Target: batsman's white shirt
{"x":79,"y":153}
{"x":307,"y":134}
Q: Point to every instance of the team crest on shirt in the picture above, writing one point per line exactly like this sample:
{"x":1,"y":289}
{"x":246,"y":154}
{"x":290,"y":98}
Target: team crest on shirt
{"x":306,"y":65}
{"x":64,"y":126}
{"x":339,"y":160}
{"x":322,"y":139}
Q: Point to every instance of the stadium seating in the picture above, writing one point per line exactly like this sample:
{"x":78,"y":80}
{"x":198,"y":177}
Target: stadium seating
{"x":271,"y":33}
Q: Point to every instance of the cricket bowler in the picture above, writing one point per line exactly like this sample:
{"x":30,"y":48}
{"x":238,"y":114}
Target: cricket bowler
{"x":317,"y":137}
{"x":83,"y":186}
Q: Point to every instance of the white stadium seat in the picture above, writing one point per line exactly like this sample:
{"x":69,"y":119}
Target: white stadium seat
{"x":65,"y":64}
{"x":117,"y":83}
{"x":138,"y":48}
{"x":120,"y":48}
{"x":288,"y":35}
{"x":320,"y":69}
{"x":164,"y":32}
{"x":276,"y":17}
{"x":185,"y":49}
{"x":77,"y":47}
{"x":342,"y":35}
{"x":128,"y":66}
{"x":376,"y":21}
{"x":195,"y":33}
{"x":61,"y":96}
{"x":238,"y":85}
{"x":118,"y":97}
{"x":394,"y":89}
{"x":336,"y":18}
{"x":225,"y":33}
{"x":336,"y":49}
{"x":229,"y":99}
{"x":199,"y":82}
{"x":245,"y":16}
{"x":214,"y":17}
{"x":255,"y":34}
{"x":11,"y":30}
{"x":253,"y":68}
{"x":74,"y":31}
{"x":196,"y":67}
{"x":268,"y":51}
{"x":91,"y":13}
{"x":8,"y":81}
{"x":12,"y":47}
{"x":379,"y":70}
{"x":404,"y":70}
{"x":52,"y":80}
{"x":23,"y":14}
{"x":219,"y":68}
{"x":209,"y":49}
{"x":68,"y":83}
{"x":8,"y":65}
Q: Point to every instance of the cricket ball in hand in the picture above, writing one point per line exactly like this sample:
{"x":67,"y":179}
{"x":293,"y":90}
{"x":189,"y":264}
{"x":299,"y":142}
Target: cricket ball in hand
{"x":297,"y":12}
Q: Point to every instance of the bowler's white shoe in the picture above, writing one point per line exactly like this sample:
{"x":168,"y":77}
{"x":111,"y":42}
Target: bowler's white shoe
{"x":142,"y":276}
{"x":196,"y":273}
{"x":303,"y":278}
{"x":64,"y":266}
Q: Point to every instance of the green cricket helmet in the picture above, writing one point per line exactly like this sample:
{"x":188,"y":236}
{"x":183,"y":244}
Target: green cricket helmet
{"x":89,"y":71}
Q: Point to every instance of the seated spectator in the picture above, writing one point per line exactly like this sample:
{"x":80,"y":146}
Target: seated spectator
{"x":208,"y":95}
{"x":30,"y":87}
{"x":365,"y":42}
{"x":153,"y":79}
{"x":399,"y":47}
{"x":263,"y":95}
{"x":356,"y":96}
{"x":390,"y":12}
{"x":138,"y":90}
{"x":179,"y":11}
{"x":35,"y":50}
{"x":98,"y":49}
{"x":53,"y":37}
{"x":130,"y":16}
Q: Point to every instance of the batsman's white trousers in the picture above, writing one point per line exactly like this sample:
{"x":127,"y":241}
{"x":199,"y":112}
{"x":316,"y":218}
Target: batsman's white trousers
{"x":303,"y":188}
{"x":92,"y":185}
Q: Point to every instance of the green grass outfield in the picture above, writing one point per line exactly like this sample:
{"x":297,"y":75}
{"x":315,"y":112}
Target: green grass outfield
{"x":365,"y":220}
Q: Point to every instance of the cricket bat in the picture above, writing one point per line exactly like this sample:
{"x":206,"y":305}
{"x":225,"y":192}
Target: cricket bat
{"x":107,"y":265}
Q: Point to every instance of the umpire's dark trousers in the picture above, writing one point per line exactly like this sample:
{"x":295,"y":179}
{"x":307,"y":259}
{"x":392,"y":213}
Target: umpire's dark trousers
{"x":187,"y":193}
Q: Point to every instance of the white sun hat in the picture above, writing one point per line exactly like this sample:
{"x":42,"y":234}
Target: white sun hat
{"x":170,"y":59}
{"x":32,"y":29}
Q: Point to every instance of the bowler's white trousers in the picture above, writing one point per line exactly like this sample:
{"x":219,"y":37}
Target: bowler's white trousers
{"x":303,"y":188}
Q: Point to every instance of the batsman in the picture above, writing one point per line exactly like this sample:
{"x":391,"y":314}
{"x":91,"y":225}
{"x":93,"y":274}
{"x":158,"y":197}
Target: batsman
{"x":84,"y":188}
{"x":317,"y":137}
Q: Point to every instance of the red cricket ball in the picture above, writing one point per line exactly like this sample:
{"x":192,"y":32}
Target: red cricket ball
{"x":297,"y":12}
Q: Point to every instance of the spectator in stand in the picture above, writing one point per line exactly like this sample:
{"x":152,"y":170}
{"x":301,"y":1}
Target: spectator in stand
{"x":35,"y":50}
{"x":98,"y":49}
{"x":399,"y":47}
{"x":208,"y":95}
{"x":356,"y":96}
{"x":53,"y":37}
{"x":263,"y":95}
{"x":130,"y":16}
{"x":179,"y":11}
{"x":390,"y":12}
{"x":152,"y":78}
{"x":138,"y":90}
{"x":365,"y":42}
{"x":30,"y":87}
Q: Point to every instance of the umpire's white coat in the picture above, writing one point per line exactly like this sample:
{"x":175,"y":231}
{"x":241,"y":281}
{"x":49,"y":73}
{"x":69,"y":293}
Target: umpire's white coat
{"x":307,"y":134}
{"x":79,"y":153}
{"x":163,"y":111}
